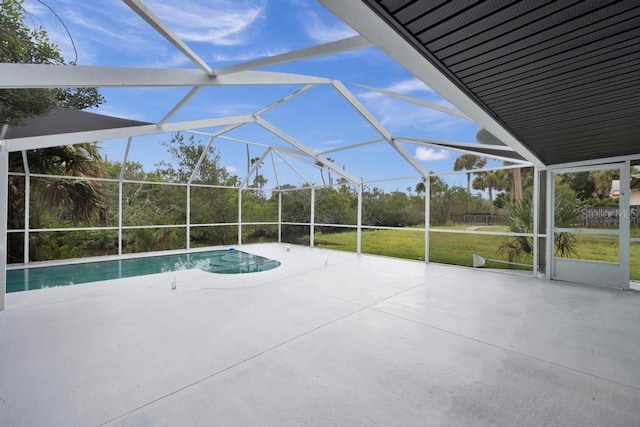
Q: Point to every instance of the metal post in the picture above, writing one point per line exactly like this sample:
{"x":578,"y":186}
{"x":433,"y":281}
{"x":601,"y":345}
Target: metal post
{"x":27,"y":205}
{"x":625,"y":224}
{"x":536,"y":214}
{"x":427,"y":216}
{"x":188,"y":216}
{"x":359,"y":221}
{"x":120,"y":178}
{"x":313,"y":217}
{"x":240,"y":216}
{"x":120,"y":218}
{"x":4,"y":212}
{"x":551,"y":223}
{"x":279,"y":216}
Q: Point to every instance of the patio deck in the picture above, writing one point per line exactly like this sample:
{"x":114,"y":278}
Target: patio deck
{"x":328,"y":338}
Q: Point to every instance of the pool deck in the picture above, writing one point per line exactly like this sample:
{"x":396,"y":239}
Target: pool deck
{"x":328,"y":338}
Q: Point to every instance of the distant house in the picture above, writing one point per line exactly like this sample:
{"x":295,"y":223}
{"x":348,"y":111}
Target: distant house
{"x":635,"y":189}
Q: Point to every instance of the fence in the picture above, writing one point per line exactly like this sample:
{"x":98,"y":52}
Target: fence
{"x":478,"y":219}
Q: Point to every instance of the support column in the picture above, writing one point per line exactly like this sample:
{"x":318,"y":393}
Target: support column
{"x":313,"y":217}
{"x":188,"y":216}
{"x":427,"y":216}
{"x":624,"y":224}
{"x":27,"y":206}
{"x":279,"y":216}
{"x":359,"y":221}
{"x":120,"y":218}
{"x":240,"y":215}
{"x":4,"y":198}
{"x":549,"y":223}
{"x":536,"y":213}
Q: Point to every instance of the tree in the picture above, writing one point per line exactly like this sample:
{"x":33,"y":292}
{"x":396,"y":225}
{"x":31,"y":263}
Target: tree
{"x":321,"y":166}
{"x":186,"y":154}
{"x":468,"y":162}
{"x":65,"y":199}
{"x":490,"y":180}
{"x":22,"y":44}
{"x":602,"y":180}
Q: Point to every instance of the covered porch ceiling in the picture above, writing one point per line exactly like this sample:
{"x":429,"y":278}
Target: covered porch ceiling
{"x":557,"y":79}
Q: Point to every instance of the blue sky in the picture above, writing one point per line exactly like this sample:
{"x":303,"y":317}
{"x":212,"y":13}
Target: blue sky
{"x":225,"y":32}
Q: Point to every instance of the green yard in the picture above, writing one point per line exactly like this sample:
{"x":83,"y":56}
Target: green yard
{"x":457,"y":249}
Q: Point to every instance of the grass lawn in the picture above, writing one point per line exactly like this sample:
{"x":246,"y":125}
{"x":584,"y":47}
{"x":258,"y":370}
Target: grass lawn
{"x":457,"y":249}
{"x":446,"y":248}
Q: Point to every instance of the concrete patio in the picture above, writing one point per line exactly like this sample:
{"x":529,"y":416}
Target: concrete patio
{"x":328,"y":338}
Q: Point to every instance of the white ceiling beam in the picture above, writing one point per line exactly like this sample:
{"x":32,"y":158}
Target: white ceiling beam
{"x":283,"y":100}
{"x":302,"y":177}
{"x":143,"y":11}
{"x":458,"y":149}
{"x":338,"y":46}
{"x":275,"y":169}
{"x":34,"y":142}
{"x":360,"y":108}
{"x":467,"y":145}
{"x":309,"y":152}
{"x":255,"y":166}
{"x":206,"y":148}
{"x":188,"y":97}
{"x":416,"y":101}
{"x":347,"y":147}
{"x":125,"y":159}
{"x":26,"y":76}
{"x":258,"y":144}
{"x":365,"y":21}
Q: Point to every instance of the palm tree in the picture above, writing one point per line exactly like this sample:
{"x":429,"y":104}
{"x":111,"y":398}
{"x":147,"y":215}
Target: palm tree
{"x":78,"y":200}
{"x":321,"y":166}
{"x":490,"y":180}
{"x":468,"y":162}
{"x":253,"y":162}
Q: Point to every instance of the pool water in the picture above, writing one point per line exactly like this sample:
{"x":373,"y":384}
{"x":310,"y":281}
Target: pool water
{"x":220,"y":261}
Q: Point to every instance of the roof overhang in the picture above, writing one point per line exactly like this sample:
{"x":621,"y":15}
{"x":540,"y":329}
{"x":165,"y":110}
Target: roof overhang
{"x":557,"y":81}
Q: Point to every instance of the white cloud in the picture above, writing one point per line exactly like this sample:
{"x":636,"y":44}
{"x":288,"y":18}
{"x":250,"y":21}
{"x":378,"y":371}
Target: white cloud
{"x":409,"y":86}
{"x":218,"y":22}
{"x":398,"y":116}
{"x":35,"y":8}
{"x":427,"y":154}
{"x":231,"y":109}
{"x":231,"y":169}
{"x":323,"y":32}
{"x":170,"y":59}
{"x":248,"y":55}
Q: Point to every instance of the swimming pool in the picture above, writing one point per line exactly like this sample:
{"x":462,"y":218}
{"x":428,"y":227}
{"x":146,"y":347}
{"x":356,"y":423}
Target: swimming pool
{"x":228,"y":261}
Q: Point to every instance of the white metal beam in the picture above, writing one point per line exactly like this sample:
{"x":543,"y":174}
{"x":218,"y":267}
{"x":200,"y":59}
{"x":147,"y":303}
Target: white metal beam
{"x":283,"y":100}
{"x":416,"y":101}
{"x":188,"y":97}
{"x":279,"y":133}
{"x":204,"y":152}
{"x":465,"y":145}
{"x":26,"y":76}
{"x":255,"y":166}
{"x":4,"y":196}
{"x":347,"y":147}
{"x":355,"y":103}
{"x":275,"y":169}
{"x":457,"y":147}
{"x":365,"y":21}
{"x":30,"y":143}
{"x":143,"y":11}
{"x":351,"y":43}
{"x":302,"y":177}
